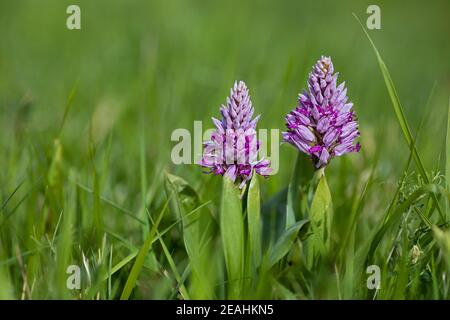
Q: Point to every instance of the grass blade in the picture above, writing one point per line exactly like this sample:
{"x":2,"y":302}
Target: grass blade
{"x":197,"y":229}
{"x":143,"y":165}
{"x":401,"y":115}
{"x":182,"y":289}
{"x":396,"y":215}
{"x":111,"y":203}
{"x":356,"y":211}
{"x":139,"y":262}
{"x":11,"y":195}
{"x":69,"y":103}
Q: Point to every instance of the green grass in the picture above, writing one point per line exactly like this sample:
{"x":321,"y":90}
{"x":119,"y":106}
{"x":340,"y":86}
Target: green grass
{"x":86,"y":118}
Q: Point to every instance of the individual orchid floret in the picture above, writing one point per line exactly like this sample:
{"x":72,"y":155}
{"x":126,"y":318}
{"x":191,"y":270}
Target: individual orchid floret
{"x":323,"y":125}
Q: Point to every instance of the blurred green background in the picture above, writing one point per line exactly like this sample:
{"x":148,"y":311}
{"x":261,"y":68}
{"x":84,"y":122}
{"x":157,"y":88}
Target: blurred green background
{"x":144,"y":68}
{"x":161,"y":65}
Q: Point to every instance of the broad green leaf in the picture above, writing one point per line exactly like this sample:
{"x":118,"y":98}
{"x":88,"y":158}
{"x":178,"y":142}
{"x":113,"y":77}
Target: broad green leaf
{"x":232,"y":232}
{"x":254,"y":222}
{"x":320,"y":220}
{"x":285,"y":242}
{"x":273,"y":215}
{"x":302,"y":175}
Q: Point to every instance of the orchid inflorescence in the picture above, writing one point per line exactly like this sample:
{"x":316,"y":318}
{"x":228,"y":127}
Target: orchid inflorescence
{"x":322,"y":126}
{"x":233,"y":148}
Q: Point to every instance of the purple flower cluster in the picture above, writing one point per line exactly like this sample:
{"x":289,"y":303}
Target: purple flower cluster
{"x":233,"y":148}
{"x":323,"y":125}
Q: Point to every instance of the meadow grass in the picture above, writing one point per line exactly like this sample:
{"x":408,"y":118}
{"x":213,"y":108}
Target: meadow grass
{"x":87,"y":180}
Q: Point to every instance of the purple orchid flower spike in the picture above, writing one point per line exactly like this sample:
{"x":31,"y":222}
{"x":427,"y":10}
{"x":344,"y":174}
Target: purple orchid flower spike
{"x":323,"y":125}
{"x":233,"y":148}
